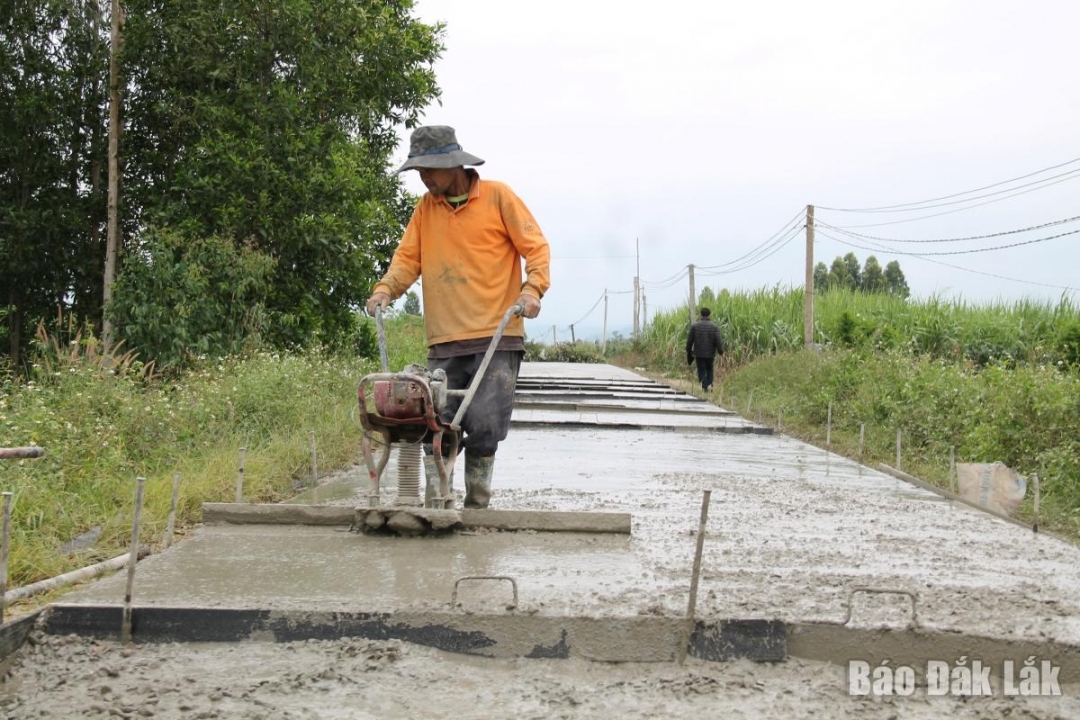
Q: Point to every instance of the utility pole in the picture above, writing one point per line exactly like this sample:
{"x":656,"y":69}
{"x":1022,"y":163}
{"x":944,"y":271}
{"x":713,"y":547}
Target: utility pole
{"x":637,"y":286}
{"x":603,"y":338}
{"x":112,"y":237}
{"x":808,"y":304}
{"x":554,"y":341}
{"x":573,"y":339}
{"x":693,"y":295}
{"x":644,"y":313}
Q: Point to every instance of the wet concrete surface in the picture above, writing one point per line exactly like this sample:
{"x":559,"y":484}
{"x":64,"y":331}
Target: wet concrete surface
{"x":792,"y":530}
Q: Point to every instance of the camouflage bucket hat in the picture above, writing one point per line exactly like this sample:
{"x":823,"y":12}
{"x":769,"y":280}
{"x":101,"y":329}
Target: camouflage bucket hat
{"x":436,"y":146}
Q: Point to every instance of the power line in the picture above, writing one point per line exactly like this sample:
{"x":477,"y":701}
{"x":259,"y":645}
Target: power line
{"x":669,"y":281}
{"x":749,"y":264}
{"x":885,"y":208}
{"x":760,"y":248}
{"x":960,"y":267}
{"x":957,"y":252}
{"x":595,"y":305}
{"x":950,"y":212}
{"x":947,"y":240}
{"x":999,"y":277}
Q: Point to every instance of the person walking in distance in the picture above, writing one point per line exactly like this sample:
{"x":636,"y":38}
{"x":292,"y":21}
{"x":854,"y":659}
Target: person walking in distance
{"x":703,"y":344}
{"x":467,"y":238}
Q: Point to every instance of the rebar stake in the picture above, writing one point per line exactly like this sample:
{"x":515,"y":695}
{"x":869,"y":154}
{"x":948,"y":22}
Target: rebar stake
{"x":125,"y":625}
{"x":170,"y":527}
{"x":691,"y":606}
{"x":952,"y":470}
{"x":898,"y":467}
{"x":5,"y":544}
{"x":240,"y":478}
{"x":1034,"y":525}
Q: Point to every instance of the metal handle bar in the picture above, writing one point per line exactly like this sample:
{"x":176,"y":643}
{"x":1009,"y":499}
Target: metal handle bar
{"x":384,"y":357}
{"x":507,"y":578}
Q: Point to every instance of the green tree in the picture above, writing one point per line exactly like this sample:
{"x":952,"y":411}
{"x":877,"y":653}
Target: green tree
{"x":873,"y":279}
{"x":412,"y":303}
{"x":52,"y":158}
{"x":895,"y":283}
{"x":272,"y":125}
{"x":821,"y":276}
{"x":185,"y":297}
{"x":854,"y":274}
{"x":838,"y":274}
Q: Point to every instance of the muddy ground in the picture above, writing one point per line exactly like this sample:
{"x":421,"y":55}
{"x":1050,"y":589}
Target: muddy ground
{"x":71,"y":677}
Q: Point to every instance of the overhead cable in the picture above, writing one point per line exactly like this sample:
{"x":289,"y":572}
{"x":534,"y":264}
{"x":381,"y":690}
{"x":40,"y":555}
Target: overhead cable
{"x":947,"y":240}
{"x":786,"y":227}
{"x":956,"y":210}
{"x":599,"y":300}
{"x":750,"y":263}
{"x":956,"y":252}
{"x":899,"y":207}
{"x":960,"y":267}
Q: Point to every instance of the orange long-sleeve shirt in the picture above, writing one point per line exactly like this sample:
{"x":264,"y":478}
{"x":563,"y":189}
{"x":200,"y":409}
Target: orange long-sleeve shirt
{"x":470,"y":259}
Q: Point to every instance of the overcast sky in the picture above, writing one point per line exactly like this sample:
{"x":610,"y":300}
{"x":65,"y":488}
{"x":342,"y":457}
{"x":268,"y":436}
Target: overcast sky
{"x":700,"y":129}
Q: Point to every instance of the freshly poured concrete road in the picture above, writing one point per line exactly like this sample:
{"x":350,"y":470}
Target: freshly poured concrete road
{"x":792,"y":529}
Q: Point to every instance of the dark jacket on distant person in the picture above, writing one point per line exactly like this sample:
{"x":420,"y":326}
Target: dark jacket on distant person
{"x":704,"y":340}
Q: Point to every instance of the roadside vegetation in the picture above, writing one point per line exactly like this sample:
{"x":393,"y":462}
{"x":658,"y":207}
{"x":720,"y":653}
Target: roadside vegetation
{"x":991,"y":383}
{"x":104,"y":424}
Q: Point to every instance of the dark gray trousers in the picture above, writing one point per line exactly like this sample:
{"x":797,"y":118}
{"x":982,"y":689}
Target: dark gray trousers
{"x":487,"y":420}
{"x":705,"y":371}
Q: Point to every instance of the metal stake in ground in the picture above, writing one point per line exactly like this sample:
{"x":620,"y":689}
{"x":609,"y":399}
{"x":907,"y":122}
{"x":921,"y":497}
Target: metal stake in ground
{"x":898,"y":450}
{"x":240,"y":478}
{"x":125,"y":624}
{"x":1034,"y":524}
{"x":952,"y":469}
{"x":691,"y":605}
{"x":170,"y":527}
{"x":4,"y":545}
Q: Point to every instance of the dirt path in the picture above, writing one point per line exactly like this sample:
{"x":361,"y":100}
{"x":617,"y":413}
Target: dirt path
{"x":68,"y":677}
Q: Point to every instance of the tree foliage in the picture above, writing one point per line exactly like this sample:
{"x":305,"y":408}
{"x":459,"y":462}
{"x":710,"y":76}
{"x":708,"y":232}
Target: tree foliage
{"x":53,"y":67}
{"x":192,"y":296}
{"x":264,"y":125}
{"x":870,"y":278}
{"x":412,"y":303}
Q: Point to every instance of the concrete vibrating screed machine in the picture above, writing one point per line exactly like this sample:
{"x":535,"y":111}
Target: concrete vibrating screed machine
{"x":402,"y":409}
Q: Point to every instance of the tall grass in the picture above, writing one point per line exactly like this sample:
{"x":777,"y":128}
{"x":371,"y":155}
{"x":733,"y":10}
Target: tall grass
{"x":105,"y":423}
{"x":770,"y":320}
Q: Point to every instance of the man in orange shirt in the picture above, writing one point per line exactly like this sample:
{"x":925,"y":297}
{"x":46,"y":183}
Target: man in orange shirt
{"x":467,"y":238}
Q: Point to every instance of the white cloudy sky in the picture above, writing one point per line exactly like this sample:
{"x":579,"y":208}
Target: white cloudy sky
{"x":698,"y":129}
